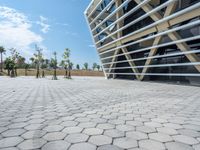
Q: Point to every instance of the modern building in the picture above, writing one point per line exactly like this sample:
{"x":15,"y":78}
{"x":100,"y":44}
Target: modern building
{"x":147,"y":39}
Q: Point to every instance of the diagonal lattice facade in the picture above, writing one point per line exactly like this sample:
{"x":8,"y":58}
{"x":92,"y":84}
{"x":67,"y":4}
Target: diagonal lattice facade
{"x":147,"y":39}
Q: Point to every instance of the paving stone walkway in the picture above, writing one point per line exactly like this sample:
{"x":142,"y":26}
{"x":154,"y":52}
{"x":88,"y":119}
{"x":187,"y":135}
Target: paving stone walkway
{"x":97,"y":114}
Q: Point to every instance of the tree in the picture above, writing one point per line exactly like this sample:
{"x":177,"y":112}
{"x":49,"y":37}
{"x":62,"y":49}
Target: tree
{"x":21,"y":62}
{"x":47,"y":61}
{"x":2,"y":50}
{"x":98,"y":67}
{"x":42,"y":67}
{"x":9,"y":65}
{"x":26,"y":69}
{"x":54,"y":64}
{"x":38,"y":58}
{"x":66,"y":63}
{"x":94,"y":66}
{"x":14,"y":57}
{"x":77,"y":67}
{"x":33,"y":63}
{"x":85,"y":66}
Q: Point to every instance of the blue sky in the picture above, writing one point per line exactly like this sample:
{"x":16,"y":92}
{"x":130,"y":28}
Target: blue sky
{"x":52,"y":24}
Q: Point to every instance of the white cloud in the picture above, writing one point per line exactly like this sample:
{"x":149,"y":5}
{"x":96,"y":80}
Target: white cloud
{"x":43,"y":24}
{"x":15,"y":31}
{"x":74,"y":34}
{"x":91,"y":45}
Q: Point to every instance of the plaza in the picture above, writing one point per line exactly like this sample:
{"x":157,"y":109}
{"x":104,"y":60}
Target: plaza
{"x":91,"y":113}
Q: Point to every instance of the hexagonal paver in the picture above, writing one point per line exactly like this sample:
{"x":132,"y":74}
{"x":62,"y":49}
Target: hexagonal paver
{"x":10,"y":142}
{"x":105,"y":126}
{"x":11,"y":148}
{"x":159,"y":120}
{"x":70,"y":130}
{"x":173,"y":125}
{"x":100,"y":140}
{"x":92,"y":131}
{"x":13,"y":132}
{"x":31,"y":144}
{"x":114,"y":133}
{"x":134,"y":123}
{"x":192,"y":127}
{"x":125,"y":127}
{"x":69,"y":123}
{"x":153,"y":124}
{"x":54,"y":136}
{"x":196,"y":147}
{"x":2,"y":129}
{"x":33,"y":134}
{"x":169,"y":131}
{"x":87,"y":124}
{"x":77,"y":138}
{"x":160,"y":137}
{"x":178,"y":146}
{"x":17,"y":125}
{"x":82,"y":119}
{"x":34,"y":126}
{"x":146,"y":129}
{"x":137,"y":135}
{"x":83,"y":146}
{"x":53,"y":128}
{"x":151,"y":145}
{"x":109,"y":147}
{"x":68,"y":118}
{"x":125,"y":143}
{"x":36,"y":121}
{"x":185,"y":139}
{"x":56,"y":145}
{"x":189,"y":132}
{"x":116,"y":121}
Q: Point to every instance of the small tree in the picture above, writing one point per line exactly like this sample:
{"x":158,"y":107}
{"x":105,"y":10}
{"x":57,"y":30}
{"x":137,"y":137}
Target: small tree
{"x":2,"y":51}
{"x":38,"y":58}
{"x":77,"y":67}
{"x":98,"y":67}
{"x":9,"y":65}
{"x":26,"y":69}
{"x":94,"y":66}
{"x":85,"y":66}
{"x":66,"y":63}
{"x":54,"y":64}
{"x":43,"y":66}
{"x":14,"y":57}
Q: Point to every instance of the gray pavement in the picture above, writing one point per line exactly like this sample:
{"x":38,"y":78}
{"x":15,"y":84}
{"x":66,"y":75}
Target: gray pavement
{"x":94,"y":113}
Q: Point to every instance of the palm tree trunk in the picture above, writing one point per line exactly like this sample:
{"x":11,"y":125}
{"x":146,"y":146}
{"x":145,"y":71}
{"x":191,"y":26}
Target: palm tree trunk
{"x":25,"y":72}
{"x":16,"y":72}
{"x":38,"y":72}
{"x":65,"y":72}
{"x":12,"y":73}
{"x":1,"y":62}
{"x":69,"y":76}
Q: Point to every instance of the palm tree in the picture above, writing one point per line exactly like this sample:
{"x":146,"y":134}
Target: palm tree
{"x":94,"y":66}
{"x":37,"y":60}
{"x":26,"y":69}
{"x":98,"y":67}
{"x":47,"y":62}
{"x":54,"y":63}
{"x":77,"y":67}
{"x":14,"y":57}
{"x":66,"y":63}
{"x":9,"y":65}
{"x":85,"y":66}
{"x":42,"y":67}
{"x":2,"y":50}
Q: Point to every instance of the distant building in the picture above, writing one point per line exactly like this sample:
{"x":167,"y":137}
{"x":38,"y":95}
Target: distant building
{"x":147,"y":39}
